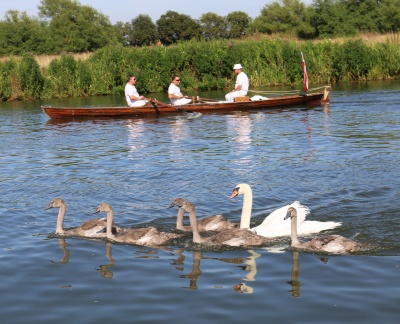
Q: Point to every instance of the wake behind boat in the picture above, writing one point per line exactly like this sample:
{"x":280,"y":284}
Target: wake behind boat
{"x":200,"y":105}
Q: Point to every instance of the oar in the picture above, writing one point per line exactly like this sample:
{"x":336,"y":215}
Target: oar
{"x":207,"y":99}
{"x":155,"y":101}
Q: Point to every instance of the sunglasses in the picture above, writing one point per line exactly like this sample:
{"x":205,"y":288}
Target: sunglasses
{"x":178,"y":80}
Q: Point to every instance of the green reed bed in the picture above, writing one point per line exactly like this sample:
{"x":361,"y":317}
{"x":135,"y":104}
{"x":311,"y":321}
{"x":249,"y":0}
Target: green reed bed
{"x":205,"y":65}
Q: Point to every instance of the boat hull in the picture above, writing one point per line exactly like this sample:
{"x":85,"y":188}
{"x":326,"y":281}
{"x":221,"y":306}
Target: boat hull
{"x":157,"y":108}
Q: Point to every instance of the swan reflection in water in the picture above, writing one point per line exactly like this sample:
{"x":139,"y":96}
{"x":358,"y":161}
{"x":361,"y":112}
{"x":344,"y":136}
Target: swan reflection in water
{"x":251,"y":267}
{"x":195,"y":273}
{"x":104,"y":270}
{"x":63,"y":245}
{"x":294,"y":279}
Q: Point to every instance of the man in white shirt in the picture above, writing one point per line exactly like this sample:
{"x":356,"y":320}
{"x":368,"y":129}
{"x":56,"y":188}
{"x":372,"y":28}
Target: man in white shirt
{"x":241,"y":86}
{"x":133,"y":99}
{"x":174,"y":93}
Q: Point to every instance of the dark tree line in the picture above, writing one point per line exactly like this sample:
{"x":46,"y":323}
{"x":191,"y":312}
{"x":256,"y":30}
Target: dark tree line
{"x":68,"y":26}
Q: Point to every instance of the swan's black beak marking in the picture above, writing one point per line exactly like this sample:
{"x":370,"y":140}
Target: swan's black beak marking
{"x":288,"y":215}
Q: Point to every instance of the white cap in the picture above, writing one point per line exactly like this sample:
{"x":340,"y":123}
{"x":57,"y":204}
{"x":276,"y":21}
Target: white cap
{"x":237,"y":67}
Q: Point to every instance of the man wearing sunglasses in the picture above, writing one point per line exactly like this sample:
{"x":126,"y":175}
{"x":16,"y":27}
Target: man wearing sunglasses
{"x":175,"y":94}
{"x":133,"y":99}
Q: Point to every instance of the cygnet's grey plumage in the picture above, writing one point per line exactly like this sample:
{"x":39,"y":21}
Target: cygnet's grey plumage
{"x":148,"y":236}
{"x":93,"y":228}
{"x":327,"y":243}
{"x":215,"y":223}
{"x":232,"y":237}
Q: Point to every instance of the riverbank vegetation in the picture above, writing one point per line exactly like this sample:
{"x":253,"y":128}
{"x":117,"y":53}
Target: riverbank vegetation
{"x":202,"y":65}
{"x":73,"y":50}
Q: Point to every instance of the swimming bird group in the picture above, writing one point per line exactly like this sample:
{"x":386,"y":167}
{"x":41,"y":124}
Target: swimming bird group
{"x":225,"y":233}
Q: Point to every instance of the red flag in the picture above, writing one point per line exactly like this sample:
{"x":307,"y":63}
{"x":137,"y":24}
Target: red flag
{"x":305,"y":76}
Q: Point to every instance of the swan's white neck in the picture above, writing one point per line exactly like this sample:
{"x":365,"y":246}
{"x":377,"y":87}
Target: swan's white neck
{"x":110,"y":220}
{"x":60,"y":220}
{"x":247,"y":205}
{"x":197,"y":238}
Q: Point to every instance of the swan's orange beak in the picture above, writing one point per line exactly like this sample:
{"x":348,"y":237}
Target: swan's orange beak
{"x":234,"y":193}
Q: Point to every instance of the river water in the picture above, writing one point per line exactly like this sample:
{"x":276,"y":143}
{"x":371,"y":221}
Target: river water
{"x":341,"y":160}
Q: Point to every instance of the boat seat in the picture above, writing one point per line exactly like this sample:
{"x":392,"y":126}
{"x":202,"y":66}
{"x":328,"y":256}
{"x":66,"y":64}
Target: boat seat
{"x":240,"y":99}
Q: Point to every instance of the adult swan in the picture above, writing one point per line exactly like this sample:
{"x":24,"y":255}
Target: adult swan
{"x":274,"y":225}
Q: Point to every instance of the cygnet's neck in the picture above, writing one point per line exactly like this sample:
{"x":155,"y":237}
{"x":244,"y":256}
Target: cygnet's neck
{"x":110,"y":220}
{"x":197,"y":238}
{"x":295,"y":241}
{"x":60,"y":220}
{"x":179,"y":218}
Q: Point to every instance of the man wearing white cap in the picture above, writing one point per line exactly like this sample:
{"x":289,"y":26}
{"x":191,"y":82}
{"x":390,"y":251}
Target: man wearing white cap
{"x":241,"y":86}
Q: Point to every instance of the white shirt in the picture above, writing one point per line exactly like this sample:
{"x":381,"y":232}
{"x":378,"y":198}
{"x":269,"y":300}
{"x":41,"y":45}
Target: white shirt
{"x":242,"y":80}
{"x":175,"y":90}
{"x":130,"y":90}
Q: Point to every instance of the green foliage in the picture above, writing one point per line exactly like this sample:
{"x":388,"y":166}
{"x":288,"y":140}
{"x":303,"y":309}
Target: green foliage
{"x":205,"y":65}
{"x":357,"y":56}
{"x":20,"y":34}
{"x":67,"y":77}
{"x":173,"y":27}
{"x":388,"y":16}
{"x":107,"y":69}
{"x":238,"y":22}
{"x":30,"y":77}
{"x":66,"y":26}
{"x":213,"y":26}
{"x":9,"y":87}
{"x":141,"y":31}
{"x":284,"y":16}
{"x":76,"y":28}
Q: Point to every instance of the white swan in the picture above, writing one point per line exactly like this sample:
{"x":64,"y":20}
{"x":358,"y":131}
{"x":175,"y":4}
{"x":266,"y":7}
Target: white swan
{"x":91,"y":228}
{"x":326,"y":243}
{"x":273,"y":225}
{"x":148,"y":236}
{"x":231,"y":237}
{"x":214,"y":223}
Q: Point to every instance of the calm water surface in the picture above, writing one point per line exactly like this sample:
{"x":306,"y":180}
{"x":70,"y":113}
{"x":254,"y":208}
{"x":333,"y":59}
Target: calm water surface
{"x":341,"y":160}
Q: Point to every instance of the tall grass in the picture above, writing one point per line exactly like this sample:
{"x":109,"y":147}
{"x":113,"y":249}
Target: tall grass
{"x":205,"y":65}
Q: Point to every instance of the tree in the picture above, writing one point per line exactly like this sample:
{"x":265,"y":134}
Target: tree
{"x":284,"y":16}
{"x":76,"y":28}
{"x":331,"y":18}
{"x":173,"y":27}
{"x":141,"y":31}
{"x":237,"y":24}
{"x":388,"y":16}
{"x":20,"y":34}
{"x":213,"y":25}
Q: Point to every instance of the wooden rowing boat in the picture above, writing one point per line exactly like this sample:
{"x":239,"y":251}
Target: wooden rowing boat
{"x":202,"y":105}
